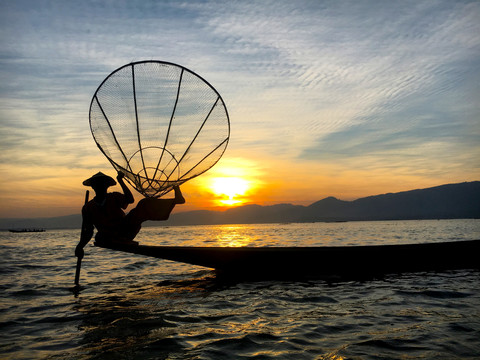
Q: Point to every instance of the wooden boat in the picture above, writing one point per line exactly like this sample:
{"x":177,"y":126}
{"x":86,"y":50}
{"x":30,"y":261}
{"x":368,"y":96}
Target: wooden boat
{"x":318,"y":262}
{"x":26,"y":230}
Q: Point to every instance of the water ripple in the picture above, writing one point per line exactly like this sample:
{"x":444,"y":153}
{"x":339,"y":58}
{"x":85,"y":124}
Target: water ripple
{"x":131,"y":307}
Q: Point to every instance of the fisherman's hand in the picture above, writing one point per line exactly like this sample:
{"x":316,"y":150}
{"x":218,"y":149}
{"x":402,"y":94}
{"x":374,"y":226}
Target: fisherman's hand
{"x":120,"y":175}
{"x":79,"y":252}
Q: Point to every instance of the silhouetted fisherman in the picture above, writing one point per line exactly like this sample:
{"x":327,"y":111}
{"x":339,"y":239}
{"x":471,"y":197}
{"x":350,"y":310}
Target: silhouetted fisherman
{"x":106,"y":213}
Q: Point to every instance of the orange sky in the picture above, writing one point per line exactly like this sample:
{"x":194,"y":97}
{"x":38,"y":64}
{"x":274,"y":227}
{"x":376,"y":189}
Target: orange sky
{"x":49,"y":193}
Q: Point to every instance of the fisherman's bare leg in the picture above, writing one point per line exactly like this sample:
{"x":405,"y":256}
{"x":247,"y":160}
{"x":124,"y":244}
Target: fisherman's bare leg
{"x":155,"y":209}
{"x":179,"y":199}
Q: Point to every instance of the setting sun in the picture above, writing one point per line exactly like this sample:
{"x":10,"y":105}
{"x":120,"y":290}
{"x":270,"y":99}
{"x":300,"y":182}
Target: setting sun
{"x":231,"y":189}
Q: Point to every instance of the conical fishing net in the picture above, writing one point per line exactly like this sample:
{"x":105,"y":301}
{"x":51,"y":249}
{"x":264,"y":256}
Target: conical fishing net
{"x":159,"y":123}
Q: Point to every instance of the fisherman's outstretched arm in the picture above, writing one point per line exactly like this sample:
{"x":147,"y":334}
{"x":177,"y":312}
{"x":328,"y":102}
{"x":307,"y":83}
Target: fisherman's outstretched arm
{"x":126,"y":191}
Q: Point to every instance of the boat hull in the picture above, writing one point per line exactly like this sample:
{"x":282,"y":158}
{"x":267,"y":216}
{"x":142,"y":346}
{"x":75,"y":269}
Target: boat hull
{"x":324,"y":262}
{"x":26,"y":230}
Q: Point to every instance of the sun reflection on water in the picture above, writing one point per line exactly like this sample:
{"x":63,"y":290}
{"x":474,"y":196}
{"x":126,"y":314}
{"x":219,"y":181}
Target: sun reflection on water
{"x":233,"y":236}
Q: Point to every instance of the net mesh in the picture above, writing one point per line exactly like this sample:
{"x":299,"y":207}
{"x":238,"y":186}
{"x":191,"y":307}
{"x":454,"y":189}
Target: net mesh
{"x":160,"y":124}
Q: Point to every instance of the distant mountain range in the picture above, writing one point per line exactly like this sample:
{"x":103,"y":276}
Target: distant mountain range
{"x":452,"y":201}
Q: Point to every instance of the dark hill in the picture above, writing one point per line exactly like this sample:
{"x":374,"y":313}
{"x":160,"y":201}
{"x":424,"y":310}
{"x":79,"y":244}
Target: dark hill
{"x":441,"y":202}
{"x":453,"y":201}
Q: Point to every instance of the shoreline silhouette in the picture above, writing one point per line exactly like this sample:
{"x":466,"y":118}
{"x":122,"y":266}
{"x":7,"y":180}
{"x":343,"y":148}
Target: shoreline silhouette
{"x":451,"y":201}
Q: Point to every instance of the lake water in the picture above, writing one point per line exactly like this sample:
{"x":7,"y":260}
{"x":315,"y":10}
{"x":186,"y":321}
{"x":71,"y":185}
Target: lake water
{"x":134,"y":307}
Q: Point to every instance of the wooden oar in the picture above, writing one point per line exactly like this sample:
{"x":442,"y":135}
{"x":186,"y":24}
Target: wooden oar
{"x":79,"y":259}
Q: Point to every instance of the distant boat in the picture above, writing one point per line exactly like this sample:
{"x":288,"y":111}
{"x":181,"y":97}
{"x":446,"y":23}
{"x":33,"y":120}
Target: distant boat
{"x":318,"y":262}
{"x":26,"y":230}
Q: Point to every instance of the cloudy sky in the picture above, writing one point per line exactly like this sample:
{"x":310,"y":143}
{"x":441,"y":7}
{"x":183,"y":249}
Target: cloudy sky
{"x":342,"y":98}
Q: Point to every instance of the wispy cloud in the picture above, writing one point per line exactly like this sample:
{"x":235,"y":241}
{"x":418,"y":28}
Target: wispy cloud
{"x":349,"y":64}
{"x":369,"y":84}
